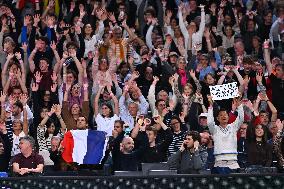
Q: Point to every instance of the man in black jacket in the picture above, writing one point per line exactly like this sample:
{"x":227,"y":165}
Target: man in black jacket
{"x":157,"y":152}
{"x":5,"y":149}
{"x":124,"y":157}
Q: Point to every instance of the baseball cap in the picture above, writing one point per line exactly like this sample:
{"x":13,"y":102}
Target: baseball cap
{"x":173,"y":53}
{"x":203,"y":115}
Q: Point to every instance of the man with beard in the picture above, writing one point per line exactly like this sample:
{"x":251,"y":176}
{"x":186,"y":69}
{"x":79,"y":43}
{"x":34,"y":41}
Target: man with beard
{"x":187,"y":159}
{"x":125,"y":158}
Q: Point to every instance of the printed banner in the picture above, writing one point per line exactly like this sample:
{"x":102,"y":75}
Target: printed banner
{"x":225,"y":91}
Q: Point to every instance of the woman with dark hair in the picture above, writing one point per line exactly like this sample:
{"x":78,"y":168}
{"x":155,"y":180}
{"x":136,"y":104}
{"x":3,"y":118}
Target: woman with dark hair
{"x":14,"y":73}
{"x":123,"y":72}
{"x":101,"y":72}
{"x":71,"y":113}
{"x":46,"y":130}
{"x":107,"y":116}
{"x":91,"y":38}
{"x":258,"y":150}
{"x":179,"y":130}
{"x":228,"y":37}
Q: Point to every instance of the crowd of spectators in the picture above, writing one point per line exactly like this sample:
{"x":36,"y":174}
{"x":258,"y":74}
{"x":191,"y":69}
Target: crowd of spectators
{"x":141,"y":71}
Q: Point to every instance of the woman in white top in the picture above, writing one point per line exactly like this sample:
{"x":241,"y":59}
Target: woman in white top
{"x":105,"y":120}
{"x":192,"y":36}
{"x":19,"y":129}
{"x":228,"y":37}
{"x":90,"y":38}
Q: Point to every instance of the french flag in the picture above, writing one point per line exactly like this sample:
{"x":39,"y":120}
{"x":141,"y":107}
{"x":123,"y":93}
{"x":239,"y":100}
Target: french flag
{"x":84,"y":146}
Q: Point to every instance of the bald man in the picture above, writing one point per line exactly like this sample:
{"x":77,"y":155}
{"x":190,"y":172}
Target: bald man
{"x":125,"y":158}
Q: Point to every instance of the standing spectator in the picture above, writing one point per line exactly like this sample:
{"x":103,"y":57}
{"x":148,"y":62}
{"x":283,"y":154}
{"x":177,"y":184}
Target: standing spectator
{"x":225,"y":138}
{"x":105,"y":120}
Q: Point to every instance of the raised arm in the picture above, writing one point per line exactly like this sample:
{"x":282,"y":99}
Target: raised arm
{"x":240,"y":119}
{"x":57,"y":112}
{"x":5,"y":69}
{"x":238,"y":75}
{"x":115,"y":101}
{"x":183,"y":27}
{"x":151,"y":95}
{"x":79,"y":66}
{"x":210,"y":116}
{"x":3,"y":100}
{"x":21,"y":82}
{"x":31,"y":60}
{"x":202,"y":23}
{"x":96,"y":101}
{"x":149,"y":36}
{"x":122,"y":106}
{"x":24,"y":100}
{"x":267,"y":56}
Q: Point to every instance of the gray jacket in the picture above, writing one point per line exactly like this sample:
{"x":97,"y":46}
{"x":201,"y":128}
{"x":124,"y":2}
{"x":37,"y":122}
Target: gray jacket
{"x":185,"y":162}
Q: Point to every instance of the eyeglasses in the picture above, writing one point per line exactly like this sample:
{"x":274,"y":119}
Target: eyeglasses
{"x":162,"y":105}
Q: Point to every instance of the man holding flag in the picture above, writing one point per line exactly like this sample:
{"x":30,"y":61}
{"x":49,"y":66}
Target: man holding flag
{"x":84,"y":146}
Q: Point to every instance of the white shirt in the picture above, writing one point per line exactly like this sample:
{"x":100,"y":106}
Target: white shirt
{"x":30,"y":114}
{"x":16,"y":142}
{"x":90,"y":44}
{"x":106,"y":124}
{"x":225,"y":139}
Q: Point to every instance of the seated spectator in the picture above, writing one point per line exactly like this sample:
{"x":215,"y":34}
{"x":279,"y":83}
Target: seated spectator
{"x":258,"y":150}
{"x":27,"y":162}
{"x":187,"y":159}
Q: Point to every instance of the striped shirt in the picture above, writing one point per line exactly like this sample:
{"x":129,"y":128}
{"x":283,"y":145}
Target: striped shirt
{"x":176,"y":142}
{"x":43,"y":143}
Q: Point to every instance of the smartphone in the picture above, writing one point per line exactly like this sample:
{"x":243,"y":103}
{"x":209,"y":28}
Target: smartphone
{"x":68,"y":61}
